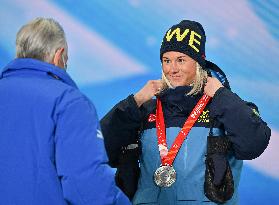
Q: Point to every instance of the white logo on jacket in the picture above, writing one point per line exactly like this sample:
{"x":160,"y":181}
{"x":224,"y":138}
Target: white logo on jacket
{"x":99,"y":134}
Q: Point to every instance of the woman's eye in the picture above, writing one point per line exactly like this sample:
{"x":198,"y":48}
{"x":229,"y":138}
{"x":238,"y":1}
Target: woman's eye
{"x":180,"y":60}
{"x":167,"y":61}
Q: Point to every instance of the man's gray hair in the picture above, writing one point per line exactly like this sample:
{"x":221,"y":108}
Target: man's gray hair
{"x":40,"y":39}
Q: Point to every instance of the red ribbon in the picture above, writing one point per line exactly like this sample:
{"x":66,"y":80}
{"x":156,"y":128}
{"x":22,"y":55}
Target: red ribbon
{"x":168,"y":156}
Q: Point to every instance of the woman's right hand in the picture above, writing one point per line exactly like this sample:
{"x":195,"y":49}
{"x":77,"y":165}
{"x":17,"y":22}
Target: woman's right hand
{"x":149,"y":90}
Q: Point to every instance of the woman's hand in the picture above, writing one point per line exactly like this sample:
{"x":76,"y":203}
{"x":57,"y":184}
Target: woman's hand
{"x":150,"y":89}
{"x":211,"y":86}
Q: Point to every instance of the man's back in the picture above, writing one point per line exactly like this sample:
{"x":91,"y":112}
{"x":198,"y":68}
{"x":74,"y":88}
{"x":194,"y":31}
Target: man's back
{"x":51,"y":151}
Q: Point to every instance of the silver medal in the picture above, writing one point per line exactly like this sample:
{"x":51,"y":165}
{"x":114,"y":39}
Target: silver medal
{"x":164,"y":176}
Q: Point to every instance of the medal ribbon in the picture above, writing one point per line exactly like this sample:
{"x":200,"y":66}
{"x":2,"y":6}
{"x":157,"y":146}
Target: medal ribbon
{"x":168,"y":156}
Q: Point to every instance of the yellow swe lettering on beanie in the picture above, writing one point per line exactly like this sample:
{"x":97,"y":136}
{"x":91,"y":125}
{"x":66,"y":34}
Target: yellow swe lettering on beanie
{"x":193,"y":39}
{"x":177,"y":32}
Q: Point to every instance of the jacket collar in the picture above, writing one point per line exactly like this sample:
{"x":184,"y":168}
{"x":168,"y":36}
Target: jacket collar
{"x":29,"y":64}
{"x":176,"y":102}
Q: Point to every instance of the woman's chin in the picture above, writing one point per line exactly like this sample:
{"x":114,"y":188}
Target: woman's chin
{"x":177,"y":84}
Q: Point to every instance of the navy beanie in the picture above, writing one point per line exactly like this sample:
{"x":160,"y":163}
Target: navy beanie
{"x":187,"y":37}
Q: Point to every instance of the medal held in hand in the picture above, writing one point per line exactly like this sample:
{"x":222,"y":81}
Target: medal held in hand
{"x":165,"y":175}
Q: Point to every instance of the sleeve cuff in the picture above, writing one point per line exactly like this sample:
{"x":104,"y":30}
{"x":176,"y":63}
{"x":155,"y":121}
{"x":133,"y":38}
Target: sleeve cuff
{"x":219,"y":100}
{"x":134,"y":110}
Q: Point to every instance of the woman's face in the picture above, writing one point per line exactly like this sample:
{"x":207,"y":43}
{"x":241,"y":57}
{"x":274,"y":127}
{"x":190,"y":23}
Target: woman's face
{"x":179,"y":68}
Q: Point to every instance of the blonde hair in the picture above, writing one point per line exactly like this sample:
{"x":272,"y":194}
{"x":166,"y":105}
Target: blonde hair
{"x":200,"y":79}
{"x":40,"y":39}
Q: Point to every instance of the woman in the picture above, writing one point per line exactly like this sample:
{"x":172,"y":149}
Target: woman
{"x":179,"y":162}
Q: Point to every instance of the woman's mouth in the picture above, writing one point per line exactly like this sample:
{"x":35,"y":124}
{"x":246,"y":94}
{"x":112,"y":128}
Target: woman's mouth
{"x":175,"y":77}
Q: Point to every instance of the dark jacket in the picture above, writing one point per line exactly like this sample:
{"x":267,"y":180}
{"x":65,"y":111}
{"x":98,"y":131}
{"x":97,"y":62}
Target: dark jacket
{"x":127,"y":124}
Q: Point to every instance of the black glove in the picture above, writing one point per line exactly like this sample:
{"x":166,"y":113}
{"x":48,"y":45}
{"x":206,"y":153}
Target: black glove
{"x":219,"y":184}
{"x":128,"y":172}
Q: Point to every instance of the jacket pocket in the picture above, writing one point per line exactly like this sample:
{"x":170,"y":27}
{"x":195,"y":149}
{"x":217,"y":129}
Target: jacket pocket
{"x":192,"y":194}
{"x":146,"y":196}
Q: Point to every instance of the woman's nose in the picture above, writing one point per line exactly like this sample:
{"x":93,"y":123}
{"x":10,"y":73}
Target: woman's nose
{"x":174,"y":67}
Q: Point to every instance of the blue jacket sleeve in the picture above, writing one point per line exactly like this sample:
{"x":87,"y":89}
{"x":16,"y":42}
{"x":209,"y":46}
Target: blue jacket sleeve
{"x":81,"y":160}
{"x":248,"y":133}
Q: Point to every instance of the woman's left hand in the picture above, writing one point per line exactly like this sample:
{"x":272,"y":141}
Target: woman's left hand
{"x":211,"y":86}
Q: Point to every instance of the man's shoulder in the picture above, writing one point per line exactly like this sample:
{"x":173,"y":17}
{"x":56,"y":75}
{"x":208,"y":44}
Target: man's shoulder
{"x":56,"y":91}
{"x":73,"y":96}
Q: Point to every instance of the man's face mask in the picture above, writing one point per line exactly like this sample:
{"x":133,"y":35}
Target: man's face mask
{"x":64,"y":62}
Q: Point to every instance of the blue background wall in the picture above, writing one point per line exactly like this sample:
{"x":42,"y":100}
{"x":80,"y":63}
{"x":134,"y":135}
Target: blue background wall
{"x":114,"y":50}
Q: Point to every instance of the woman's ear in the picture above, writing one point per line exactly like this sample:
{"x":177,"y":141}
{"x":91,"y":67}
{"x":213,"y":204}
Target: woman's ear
{"x":57,"y":59}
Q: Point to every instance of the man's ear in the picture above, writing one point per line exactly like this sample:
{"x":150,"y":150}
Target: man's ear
{"x":58,"y":58}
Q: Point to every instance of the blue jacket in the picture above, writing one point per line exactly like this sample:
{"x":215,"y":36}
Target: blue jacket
{"x":247,"y":132}
{"x":51,"y":147}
